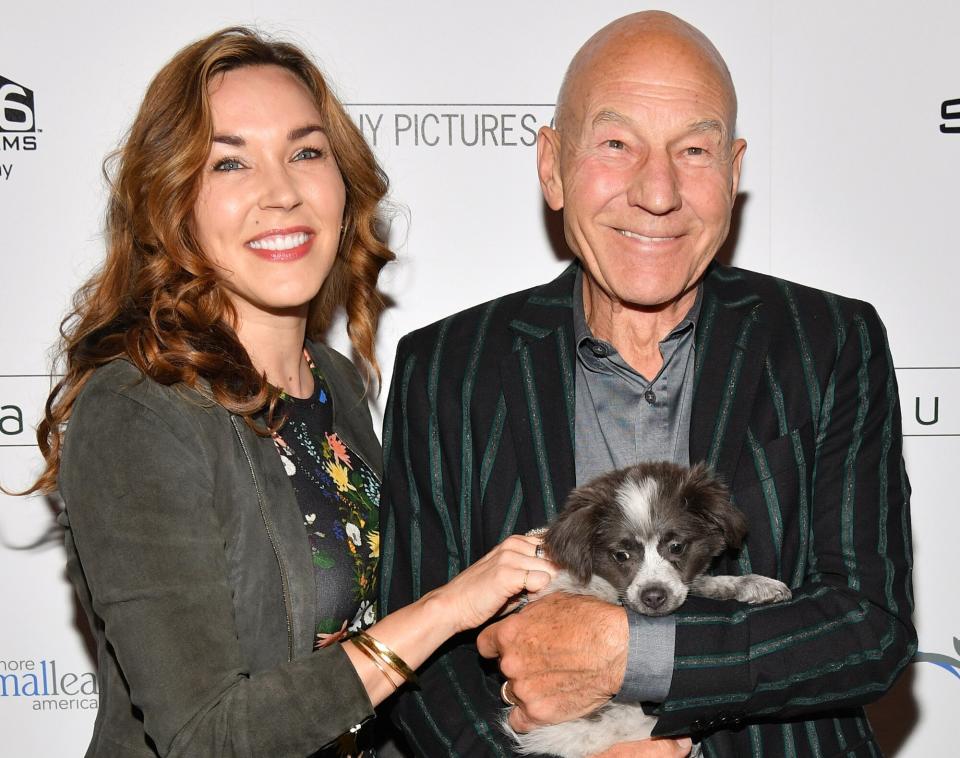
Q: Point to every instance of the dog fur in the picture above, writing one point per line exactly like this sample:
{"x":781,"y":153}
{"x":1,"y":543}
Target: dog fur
{"x":644,"y":537}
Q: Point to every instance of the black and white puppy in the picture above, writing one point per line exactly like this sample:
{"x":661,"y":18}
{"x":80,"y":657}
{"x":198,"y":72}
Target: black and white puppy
{"x":643,"y":536}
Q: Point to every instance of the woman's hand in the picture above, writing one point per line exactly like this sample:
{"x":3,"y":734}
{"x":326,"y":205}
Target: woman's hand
{"x":415,"y":631}
{"x":484,"y":588}
{"x":659,"y":748}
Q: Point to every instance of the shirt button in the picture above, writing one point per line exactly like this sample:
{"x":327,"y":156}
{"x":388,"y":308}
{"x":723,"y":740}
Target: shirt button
{"x":650,"y":396}
{"x":599,"y":350}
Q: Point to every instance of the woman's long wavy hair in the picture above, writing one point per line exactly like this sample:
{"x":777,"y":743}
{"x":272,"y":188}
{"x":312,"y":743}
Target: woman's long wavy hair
{"x":157,"y":301}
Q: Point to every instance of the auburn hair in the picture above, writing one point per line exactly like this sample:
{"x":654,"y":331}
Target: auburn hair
{"x":156,"y":300}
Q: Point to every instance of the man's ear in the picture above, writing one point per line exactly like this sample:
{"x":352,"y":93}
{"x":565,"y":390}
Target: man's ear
{"x":548,"y":166}
{"x":739,"y":147}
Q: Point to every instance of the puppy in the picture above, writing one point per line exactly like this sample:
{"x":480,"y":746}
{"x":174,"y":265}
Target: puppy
{"x":642,"y":536}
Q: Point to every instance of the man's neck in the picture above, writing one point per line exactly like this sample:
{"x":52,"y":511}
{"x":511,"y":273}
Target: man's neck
{"x":636,"y":333}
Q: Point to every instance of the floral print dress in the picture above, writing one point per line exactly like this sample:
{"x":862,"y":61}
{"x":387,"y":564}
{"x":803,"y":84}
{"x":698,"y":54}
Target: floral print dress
{"x":339,"y":497}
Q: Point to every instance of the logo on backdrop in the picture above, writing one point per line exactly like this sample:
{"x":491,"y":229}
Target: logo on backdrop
{"x":22,"y":400}
{"x":11,"y":420}
{"x":458,"y":125}
{"x":47,"y":687}
{"x":929,"y":400}
{"x":946,"y":662}
{"x":950,"y":113}
{"x":18,"y":125}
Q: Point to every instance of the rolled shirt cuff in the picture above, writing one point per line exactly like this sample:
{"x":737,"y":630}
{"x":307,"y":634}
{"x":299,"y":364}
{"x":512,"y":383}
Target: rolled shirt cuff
{"x":649,"y":659}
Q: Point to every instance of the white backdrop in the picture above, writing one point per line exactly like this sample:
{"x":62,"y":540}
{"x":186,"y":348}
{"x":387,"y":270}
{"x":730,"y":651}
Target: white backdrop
{"x":846,"y":186}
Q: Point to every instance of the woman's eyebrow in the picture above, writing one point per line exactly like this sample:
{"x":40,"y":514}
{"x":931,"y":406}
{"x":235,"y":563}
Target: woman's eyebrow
{"x":299,"y":133}
{"x":303,"y":131}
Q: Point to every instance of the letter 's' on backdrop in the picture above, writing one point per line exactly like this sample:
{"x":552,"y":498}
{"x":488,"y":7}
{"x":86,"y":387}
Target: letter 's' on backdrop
{"x":852,"y":114}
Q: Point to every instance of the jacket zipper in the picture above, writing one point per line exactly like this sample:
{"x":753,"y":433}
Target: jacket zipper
{"x":284,"y":588}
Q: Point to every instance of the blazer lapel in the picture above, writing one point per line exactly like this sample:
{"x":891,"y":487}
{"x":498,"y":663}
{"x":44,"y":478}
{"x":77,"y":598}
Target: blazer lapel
{"x":538,"y":389}
{"x":731,"y":346}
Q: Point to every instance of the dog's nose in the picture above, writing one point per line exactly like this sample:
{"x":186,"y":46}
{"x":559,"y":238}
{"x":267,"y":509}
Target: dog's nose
{"x":653,"y":597}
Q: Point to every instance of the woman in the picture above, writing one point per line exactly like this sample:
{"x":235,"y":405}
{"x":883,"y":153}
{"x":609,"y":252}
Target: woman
{"x":218,"y":465}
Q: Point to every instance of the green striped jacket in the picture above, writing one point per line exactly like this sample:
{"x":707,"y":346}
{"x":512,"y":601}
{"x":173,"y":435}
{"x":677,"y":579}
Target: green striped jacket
{"x":795,"y":407}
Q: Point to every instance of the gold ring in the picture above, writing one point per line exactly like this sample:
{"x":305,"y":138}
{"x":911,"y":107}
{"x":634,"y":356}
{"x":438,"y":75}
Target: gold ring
{"x":504,"y":696}
{"x":525,"y":575}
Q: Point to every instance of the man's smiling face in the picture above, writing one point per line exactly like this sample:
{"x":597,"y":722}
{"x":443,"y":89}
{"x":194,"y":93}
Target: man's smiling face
{"x":644,"y":165}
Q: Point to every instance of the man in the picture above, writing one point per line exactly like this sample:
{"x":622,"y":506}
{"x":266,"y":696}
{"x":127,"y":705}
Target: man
{"x":646,"y":349}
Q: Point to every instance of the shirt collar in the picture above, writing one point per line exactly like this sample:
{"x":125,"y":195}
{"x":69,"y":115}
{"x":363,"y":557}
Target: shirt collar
{"x":592,"y":350}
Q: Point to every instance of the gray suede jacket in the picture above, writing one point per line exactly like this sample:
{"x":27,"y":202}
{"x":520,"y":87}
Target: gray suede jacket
{"x":187,"y":549}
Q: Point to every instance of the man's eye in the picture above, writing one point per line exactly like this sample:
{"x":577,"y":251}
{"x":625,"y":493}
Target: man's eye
{"x":621,"y":556}
{"x":227,"y":164}
{"x":615,"y":144}
{"x":695,"y":152}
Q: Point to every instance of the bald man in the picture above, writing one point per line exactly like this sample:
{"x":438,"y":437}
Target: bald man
{"x":647,"y":349}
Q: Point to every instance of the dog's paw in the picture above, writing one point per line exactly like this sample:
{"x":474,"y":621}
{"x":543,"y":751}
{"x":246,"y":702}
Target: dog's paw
{"x":756,"y":589}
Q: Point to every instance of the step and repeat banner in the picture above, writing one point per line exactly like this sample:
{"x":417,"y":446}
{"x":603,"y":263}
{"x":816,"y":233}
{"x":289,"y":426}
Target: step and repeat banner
{"x":852,"y":115}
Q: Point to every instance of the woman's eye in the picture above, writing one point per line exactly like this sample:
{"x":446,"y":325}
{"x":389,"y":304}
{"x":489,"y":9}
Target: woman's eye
{"x":227,"y":164}
{"x":308,"y":153}
{"x":621,"y":556}
{"x":615,"y":144}
{"x":676,"y":548}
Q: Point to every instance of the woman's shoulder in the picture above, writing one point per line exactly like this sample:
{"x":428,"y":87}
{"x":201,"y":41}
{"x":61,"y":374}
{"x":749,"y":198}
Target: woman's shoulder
{"x":123,"y":417}
{"x":118,"y":390}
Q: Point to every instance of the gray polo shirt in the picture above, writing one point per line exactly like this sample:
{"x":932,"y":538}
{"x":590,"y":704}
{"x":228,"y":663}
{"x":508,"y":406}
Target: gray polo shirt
{"x":622,"y":418}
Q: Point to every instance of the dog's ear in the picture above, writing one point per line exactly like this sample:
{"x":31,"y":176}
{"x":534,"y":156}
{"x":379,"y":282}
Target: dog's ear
{"x":569,"y":540}
{"x":709,"y":500}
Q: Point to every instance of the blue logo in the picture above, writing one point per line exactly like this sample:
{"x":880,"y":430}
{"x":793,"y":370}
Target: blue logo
{"x":943,"y":661}
{"x":45,"y":687}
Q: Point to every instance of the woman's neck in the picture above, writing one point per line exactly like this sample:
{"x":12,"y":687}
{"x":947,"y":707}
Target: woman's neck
{"x":274,"y":343}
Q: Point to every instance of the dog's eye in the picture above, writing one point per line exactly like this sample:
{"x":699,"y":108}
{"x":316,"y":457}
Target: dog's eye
{"x":621,"y":555}
{"x":676,"y":548}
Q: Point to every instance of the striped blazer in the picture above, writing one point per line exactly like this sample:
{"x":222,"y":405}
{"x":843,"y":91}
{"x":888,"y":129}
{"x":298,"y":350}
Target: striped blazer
{"x":795,"y":407}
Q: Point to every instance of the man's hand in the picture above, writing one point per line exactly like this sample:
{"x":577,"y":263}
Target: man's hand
{"x":564,"y":656}
{"x":659,"y":748}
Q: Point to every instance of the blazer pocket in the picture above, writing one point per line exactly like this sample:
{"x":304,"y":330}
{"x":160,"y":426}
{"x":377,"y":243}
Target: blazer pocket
{"x":759,"y":463}
{"x":771,"y":488}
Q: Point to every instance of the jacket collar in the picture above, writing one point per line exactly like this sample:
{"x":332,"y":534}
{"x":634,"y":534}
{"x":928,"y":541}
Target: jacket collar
{"x":548,"y":307}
